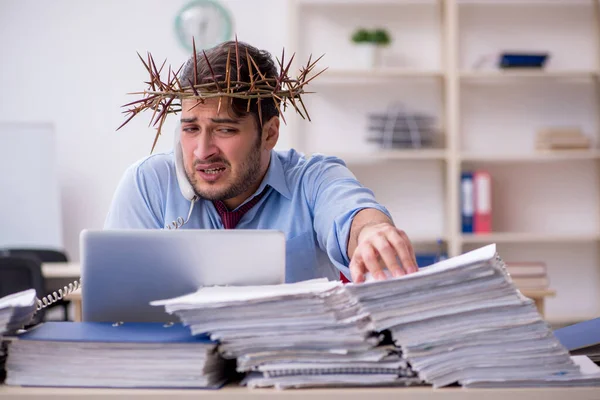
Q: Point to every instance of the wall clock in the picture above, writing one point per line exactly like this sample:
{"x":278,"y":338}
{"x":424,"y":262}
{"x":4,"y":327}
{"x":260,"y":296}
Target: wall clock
{"x":207,"y":21}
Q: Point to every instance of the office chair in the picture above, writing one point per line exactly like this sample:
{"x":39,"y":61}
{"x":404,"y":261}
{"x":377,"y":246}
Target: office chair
{"x":22,"y":273}
{"x":45,"y":256}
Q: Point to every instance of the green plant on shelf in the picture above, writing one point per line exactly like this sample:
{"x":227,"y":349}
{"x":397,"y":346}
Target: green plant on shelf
{"x":378,"y":37}
{"x":381,"y":37}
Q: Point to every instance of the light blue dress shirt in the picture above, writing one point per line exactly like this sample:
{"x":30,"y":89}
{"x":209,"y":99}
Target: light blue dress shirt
{"x":311,"y":200}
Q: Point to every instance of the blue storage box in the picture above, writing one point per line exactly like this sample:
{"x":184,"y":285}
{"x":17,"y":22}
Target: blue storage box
{"x":522,"y":60}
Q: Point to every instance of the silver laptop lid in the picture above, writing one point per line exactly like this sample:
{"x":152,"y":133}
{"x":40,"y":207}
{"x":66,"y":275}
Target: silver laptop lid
{"x":123,"y":270}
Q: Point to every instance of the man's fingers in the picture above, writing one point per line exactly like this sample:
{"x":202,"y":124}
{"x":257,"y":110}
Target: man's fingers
{"x":371,"y":262}
{"x":356,"y":268}
{"x":404,"y":250}
{"x":388,"y":254}
{"x":410,"y":248}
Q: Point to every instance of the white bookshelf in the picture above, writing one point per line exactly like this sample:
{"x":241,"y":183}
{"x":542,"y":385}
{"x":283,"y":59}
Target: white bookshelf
{"x":528,"y":237}
{"x":546,"y":205}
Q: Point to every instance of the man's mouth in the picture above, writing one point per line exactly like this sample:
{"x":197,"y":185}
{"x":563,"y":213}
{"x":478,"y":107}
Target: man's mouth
{"x":211,"y":173}
{"x":212,"y":170}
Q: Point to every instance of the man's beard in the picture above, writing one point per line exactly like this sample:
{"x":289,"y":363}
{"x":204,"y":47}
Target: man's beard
{"x":249,"y":175}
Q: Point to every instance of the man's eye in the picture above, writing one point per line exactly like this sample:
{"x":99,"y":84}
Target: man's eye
{"x":227,"y":131}
{"x":190,"y":129}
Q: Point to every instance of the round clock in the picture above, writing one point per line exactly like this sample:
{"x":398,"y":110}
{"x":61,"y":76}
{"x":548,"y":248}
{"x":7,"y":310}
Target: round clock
{"x":207,"y":21}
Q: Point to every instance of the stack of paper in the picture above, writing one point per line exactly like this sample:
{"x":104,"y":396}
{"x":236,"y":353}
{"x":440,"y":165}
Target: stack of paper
{"x":88,"y":354}
{"x":462,"y":320}
{"x":16,"y":311}
{"x":311,"y":333}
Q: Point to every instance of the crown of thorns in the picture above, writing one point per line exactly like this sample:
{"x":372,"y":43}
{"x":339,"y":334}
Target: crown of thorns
{"x":160,"y":94}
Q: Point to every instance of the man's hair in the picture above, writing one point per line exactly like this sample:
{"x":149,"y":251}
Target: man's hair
{"x":217,"y":58}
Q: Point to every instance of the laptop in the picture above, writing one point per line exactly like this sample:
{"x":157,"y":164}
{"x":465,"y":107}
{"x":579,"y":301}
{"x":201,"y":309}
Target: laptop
{"x":122,"y":271}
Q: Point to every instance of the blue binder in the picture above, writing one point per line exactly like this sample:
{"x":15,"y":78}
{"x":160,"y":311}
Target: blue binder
{"x":133,"y":332}
{"x":580,"y":336}
{"x":467,"y":205}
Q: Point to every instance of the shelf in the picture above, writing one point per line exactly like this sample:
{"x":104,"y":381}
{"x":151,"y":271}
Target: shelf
{"x":338,"y":76}
{"x":523,"y":2}
{"x":369,"y":3}
{"x":528,"y":74}
{"x":508,"y":237}
{"x":538,"y":294}
{"x":547,"y":156}
{"x":390,"y":155}
{"x":427,"y":240}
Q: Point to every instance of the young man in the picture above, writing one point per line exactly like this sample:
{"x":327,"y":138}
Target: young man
{"x":331,"y":222}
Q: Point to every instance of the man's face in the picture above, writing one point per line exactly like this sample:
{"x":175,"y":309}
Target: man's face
{"x":221,"y":153}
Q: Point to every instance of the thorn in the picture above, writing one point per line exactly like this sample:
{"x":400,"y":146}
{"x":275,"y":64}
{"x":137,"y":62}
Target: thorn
{"x":195,"y":62}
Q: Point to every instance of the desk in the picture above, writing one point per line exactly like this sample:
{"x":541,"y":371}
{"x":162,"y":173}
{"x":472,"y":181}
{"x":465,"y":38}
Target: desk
{"x":242,"y":393}
{"x":61,"y":270}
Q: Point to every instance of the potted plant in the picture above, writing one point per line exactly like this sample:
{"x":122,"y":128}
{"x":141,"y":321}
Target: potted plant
{"x":368,"y":44}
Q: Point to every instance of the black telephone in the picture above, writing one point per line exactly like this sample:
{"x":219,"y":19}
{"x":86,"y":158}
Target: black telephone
{"x":186,"y":190}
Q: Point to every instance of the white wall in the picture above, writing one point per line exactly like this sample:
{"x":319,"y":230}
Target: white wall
{"x":72,"y":62}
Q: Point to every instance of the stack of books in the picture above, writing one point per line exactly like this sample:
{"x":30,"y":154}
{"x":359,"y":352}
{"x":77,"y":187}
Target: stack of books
{"x":92,"y":354}
{"x":528,"y":275}
{"x":561,"y":139}
{"x":16,"y":311}
{"x":306,"y":334}
{"x":462,"y":320}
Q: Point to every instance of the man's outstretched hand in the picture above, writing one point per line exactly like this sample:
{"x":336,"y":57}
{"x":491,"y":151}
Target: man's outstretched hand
{"x":379,"y":246}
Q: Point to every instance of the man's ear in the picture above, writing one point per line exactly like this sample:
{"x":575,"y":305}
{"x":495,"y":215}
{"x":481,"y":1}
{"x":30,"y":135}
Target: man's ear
{"x":270,"y":133}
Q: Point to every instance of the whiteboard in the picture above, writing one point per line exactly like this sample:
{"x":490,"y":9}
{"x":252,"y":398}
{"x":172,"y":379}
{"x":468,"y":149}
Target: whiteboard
{"x":30,"y":212}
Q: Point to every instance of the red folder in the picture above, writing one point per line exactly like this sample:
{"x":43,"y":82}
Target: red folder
{"x":482,"y":217}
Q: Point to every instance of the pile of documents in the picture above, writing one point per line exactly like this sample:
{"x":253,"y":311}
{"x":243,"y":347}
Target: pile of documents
{"x":463,"y":320}
{"x":92,"y":354}
{"x":306,"y":334}
{"x":16,"y":311}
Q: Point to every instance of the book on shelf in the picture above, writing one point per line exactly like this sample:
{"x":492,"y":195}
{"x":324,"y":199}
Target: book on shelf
{"x":476,"y":201}
{"x":529,"y":275}
{"x":561,"y":138}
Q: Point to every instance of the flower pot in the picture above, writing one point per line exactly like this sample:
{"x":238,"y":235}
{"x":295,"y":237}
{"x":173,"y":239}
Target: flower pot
{"x":367,"y":56}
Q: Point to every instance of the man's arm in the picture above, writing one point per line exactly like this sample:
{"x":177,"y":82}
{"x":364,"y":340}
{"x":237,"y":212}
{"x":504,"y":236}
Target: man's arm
{"x":347,"y":219}
{"x":135,"y":203}
{"x":375,"y":243}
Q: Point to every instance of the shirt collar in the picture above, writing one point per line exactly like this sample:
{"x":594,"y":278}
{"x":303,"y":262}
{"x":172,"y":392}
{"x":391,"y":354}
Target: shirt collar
{"x":275,"y":177}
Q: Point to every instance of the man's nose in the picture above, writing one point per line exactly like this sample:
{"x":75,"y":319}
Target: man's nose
{"x":205,"y":147}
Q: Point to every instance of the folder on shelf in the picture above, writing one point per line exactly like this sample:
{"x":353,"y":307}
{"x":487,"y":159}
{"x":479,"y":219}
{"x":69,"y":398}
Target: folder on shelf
{"x":482,"y":217}
{"x":467,"y":207}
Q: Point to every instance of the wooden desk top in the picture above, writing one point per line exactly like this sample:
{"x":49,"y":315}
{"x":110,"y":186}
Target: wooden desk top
{"x":61,"y":270}
{"x":234,"y":392}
